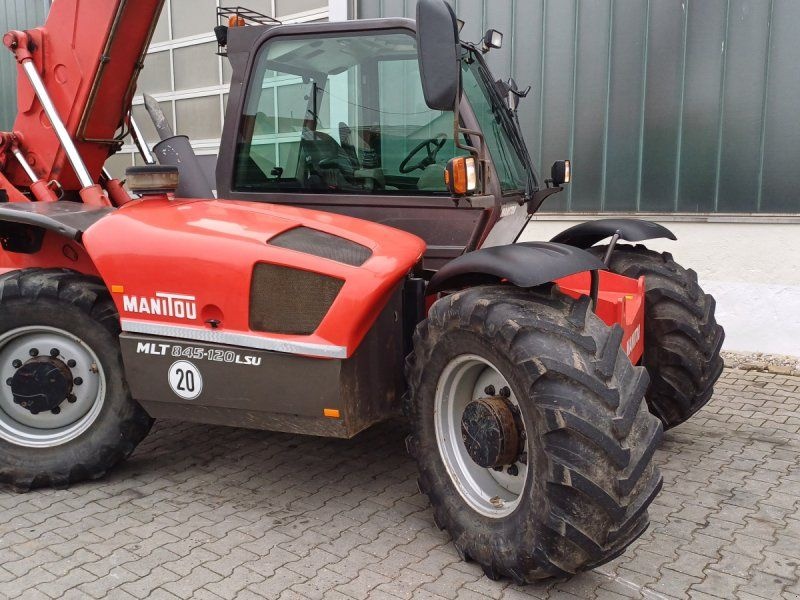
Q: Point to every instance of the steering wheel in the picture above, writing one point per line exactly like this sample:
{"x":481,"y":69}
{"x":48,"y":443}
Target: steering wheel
{"x":432,"y":147}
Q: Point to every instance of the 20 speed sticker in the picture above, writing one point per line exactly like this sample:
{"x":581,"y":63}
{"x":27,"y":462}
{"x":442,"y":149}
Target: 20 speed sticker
{"x":185,"y":379}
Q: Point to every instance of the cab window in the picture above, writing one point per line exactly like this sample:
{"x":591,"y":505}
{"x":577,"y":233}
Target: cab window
{"x":341,"y":114}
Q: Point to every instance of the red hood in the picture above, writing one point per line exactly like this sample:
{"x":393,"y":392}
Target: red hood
{"x":206,"y":249}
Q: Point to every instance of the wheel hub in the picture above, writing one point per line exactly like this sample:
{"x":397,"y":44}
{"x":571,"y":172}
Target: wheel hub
{"x":52,"y":386}
{"x":41,"y":384}
{"x":490,"y":432}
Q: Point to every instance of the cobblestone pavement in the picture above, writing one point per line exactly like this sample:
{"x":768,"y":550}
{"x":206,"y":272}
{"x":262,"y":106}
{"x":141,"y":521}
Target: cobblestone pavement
{"x":213,"y":512}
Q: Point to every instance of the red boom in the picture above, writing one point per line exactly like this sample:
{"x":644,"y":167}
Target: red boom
{"x":88,"y":54}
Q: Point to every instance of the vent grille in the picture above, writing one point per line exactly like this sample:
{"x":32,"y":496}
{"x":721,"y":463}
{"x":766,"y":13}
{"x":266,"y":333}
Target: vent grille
{"x":324,"y":245}
{"x":287,"y":300}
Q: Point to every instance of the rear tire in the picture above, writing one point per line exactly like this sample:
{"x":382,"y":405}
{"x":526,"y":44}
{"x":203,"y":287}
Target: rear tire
{"x":682,"y":340}
{"x":589,"y":437}
{"x":74,"y":320}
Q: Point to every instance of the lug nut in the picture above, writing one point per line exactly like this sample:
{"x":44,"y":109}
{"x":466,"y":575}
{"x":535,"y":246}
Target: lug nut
{"x":513,"y":470}
{"x":34,"y":352}
{"x":54,"y":352}
{"x":78,"y":381}
{"x":72,"y":398}
{"x":56,"y":410}
{"x":505,"y":392}
{"x":489,"y":391}
{"x":71,"y":363}
{"x":8,"y":381}
{"x":17,"y":363}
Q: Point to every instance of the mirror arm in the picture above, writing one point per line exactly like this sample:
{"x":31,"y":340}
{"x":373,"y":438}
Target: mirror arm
{"x":478,"y":152}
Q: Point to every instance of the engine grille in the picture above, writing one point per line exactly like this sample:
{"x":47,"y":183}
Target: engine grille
{"x":324,"y":245}
{"x":287,"y":300}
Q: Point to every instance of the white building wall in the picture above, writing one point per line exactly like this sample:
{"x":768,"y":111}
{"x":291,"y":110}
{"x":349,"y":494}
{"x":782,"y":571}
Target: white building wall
{"x":751,"y":268}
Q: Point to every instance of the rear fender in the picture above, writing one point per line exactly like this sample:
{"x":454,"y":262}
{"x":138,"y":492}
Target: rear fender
{"x":69,"y":219}
{"x":585,"y":235}
{"x":46,"y":235}
{"x":526,"y":265}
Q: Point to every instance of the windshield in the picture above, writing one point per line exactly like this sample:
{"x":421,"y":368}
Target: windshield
{"x":502,"y":136}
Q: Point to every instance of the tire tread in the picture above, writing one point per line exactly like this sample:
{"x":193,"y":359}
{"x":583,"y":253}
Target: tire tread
{"x":592,"y":512}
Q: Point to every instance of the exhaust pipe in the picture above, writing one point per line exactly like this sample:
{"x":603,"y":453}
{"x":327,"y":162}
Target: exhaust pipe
{"x":176,"y":151}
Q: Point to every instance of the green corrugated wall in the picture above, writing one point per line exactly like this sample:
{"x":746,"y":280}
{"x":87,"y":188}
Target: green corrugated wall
{"x":663,"y":105}
{"x":15,"y":14}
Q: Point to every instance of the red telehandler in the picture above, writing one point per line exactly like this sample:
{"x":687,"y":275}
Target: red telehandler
{"x":363,"y":264}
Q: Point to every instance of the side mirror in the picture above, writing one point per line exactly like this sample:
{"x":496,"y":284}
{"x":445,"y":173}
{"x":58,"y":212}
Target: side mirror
{"x":561,"y":172}
{"x":438,"y":48}
{"x":461,"y":175}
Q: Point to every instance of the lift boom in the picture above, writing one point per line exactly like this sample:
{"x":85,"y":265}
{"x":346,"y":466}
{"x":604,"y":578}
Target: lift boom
{"x":76,"y":80}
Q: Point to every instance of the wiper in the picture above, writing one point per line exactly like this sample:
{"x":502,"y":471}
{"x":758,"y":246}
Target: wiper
{"x":512,"y":126}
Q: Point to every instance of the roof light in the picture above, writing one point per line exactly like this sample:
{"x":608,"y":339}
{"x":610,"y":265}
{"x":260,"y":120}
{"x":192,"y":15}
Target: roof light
{"x":492,"y":39}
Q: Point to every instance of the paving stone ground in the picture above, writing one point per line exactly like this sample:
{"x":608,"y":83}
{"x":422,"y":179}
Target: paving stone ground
{"x":213,"y":512}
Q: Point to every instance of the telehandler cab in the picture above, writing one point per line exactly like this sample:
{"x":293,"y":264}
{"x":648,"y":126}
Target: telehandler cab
{"x":363,"y":264}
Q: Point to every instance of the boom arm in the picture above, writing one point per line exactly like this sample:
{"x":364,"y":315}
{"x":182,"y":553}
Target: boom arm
{"x":88,"y":55}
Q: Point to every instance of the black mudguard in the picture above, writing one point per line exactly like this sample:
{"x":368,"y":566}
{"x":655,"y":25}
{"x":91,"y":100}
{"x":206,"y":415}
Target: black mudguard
{"x":585,"y":235}
{"x":526,"y":265}
{"x":69,"y":219}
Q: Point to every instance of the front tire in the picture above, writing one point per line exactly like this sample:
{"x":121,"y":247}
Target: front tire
{"x":66,"y":414}
{"x":584,"y":469}
{"x":682,"y":340}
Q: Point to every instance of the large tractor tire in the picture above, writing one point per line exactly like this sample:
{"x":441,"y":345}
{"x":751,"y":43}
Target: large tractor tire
{"x":530,"y":430}
{"x":65,"y":410}
{"x":682,"y":340}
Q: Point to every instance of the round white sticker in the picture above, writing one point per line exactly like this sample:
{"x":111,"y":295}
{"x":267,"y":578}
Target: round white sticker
{"x":185,"y":379}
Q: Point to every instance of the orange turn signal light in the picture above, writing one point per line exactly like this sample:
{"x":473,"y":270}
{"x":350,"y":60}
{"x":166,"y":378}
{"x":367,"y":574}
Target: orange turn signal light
{"x":461,"y":175}
{"x":236,"y":21}
{"x":331,"y":413}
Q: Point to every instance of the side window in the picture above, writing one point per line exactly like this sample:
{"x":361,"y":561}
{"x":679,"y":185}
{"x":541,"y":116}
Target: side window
{"x":341,"y":114}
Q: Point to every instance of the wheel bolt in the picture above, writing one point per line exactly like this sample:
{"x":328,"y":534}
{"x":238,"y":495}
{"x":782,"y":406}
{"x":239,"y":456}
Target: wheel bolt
{"x":54,"y":352}
{"x":489,"y":391}
{"x":34,"y":352}
{"x":505,"y":392}
{"x":71,"y":363}
{"x":8,"y":381}
{"x":513,"y":470}
{"x":17,"y":363}
{"x":56,"y":410}
{"x":71,"y":398}
{"x":78,"y":381}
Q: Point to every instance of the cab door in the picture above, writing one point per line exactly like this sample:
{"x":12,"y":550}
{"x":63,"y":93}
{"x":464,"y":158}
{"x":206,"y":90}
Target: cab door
{"x":333,"y":118}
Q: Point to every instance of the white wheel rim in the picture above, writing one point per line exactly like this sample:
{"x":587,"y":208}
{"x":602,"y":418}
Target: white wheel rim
{"x":491,"y":493}
{"x":46,"y":429}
